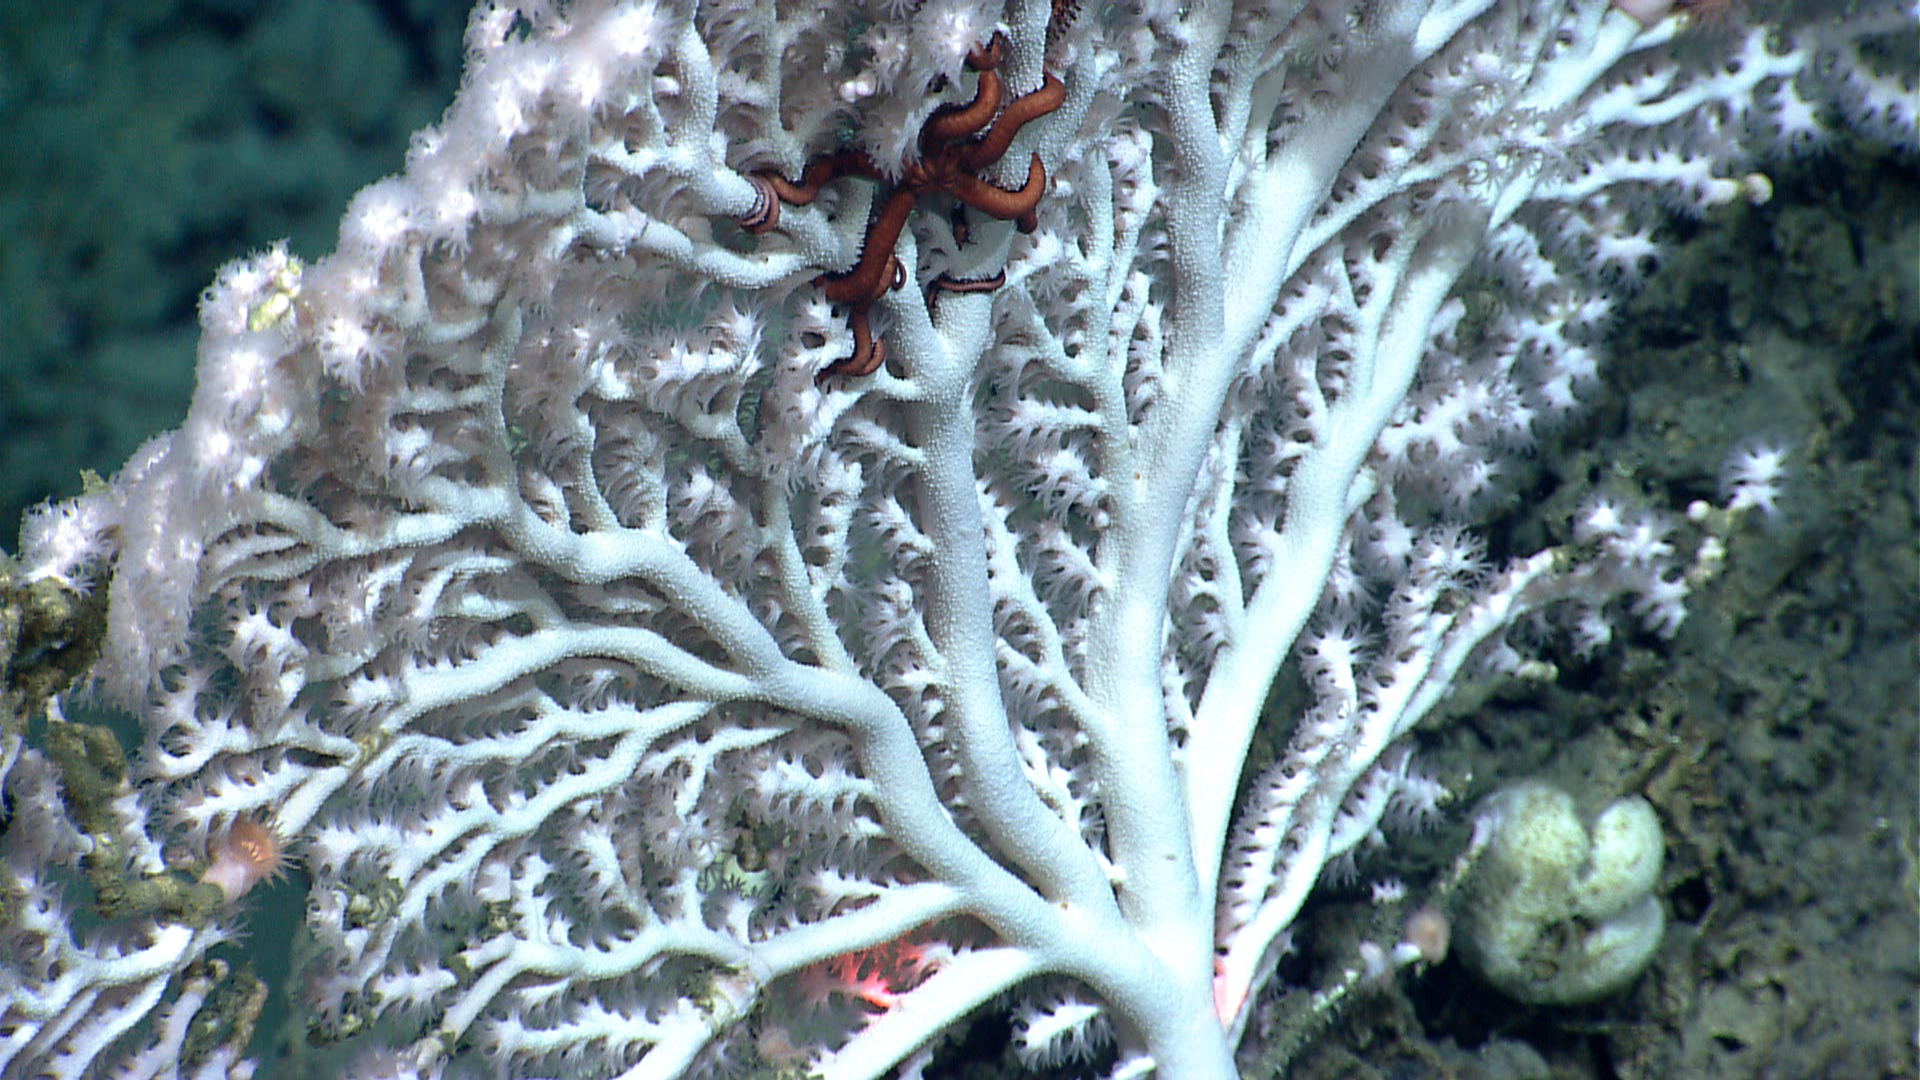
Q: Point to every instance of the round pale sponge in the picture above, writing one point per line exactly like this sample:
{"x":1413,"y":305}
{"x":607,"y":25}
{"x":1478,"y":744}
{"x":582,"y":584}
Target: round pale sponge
{"x":1557,"y":912}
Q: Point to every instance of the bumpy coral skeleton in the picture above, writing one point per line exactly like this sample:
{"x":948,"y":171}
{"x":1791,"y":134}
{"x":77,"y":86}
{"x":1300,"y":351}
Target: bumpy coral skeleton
{"x":630,"y":704}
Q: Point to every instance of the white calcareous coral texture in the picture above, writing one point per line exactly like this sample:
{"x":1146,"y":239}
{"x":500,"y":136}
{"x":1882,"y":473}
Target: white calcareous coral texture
{"x":638,"y":700}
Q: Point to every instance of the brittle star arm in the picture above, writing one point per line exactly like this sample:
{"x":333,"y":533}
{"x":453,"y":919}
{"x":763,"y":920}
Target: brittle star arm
{"x":950,"y":123}
{"x":1019,"y":112}
{"x":775,"y":188}
{"x":997,"y":201}
{"x":875,"y":273}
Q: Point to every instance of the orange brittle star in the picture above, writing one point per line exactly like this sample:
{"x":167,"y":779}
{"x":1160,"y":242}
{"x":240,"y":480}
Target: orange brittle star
{"x":957,"y":143}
